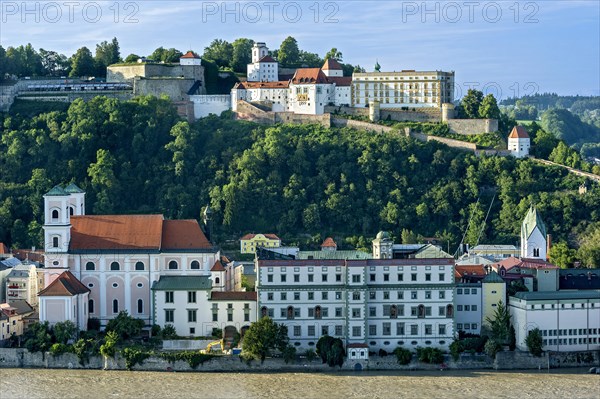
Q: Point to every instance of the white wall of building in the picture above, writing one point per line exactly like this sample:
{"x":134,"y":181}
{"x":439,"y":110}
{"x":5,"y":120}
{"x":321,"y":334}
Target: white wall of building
{"x":468,"y":308}
{"x":205,"y":105}
{"x":519,"y":147}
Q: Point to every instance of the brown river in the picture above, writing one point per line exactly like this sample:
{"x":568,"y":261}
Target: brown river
{"x":63,"y":384}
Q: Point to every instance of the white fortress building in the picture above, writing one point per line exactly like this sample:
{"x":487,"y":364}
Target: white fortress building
{"x":408,"y":88}
{"x":263,"y":67}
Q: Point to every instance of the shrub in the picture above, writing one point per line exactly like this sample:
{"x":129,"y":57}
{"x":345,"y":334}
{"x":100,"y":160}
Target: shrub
{"x":492,"y":347}
{"x":93,"y":324}
{"x":108,"y":349}
{"x":38,"y":337}
{"x":331,"y":350}
{"x":310,"y":355}
{"x":430,"y":355}
{"x":83,"y":348}
{"x":125,"y":326}
{"x":58,"y":349}
{"x":382,"y":352}
{"x":169,"y":332}
{"x":155,"y":332}
{"x":64,"y":331}
{"x":403,"y":355}
{"x":456,"y":348}
{"x":289,"y":354}
{"x":534,"y":342}
{"x":134,"y":356}
{"x":191,"y":357}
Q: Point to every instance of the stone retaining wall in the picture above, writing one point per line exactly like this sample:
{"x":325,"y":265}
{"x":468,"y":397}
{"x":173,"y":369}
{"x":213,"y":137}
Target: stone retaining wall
{"x":17,"y":358}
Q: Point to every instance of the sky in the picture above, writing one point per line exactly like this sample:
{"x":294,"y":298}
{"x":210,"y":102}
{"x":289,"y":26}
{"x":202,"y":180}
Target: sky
{"x":507,"y":48}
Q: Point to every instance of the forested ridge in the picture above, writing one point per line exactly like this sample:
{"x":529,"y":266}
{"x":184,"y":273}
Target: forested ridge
{"x":298,"y":181}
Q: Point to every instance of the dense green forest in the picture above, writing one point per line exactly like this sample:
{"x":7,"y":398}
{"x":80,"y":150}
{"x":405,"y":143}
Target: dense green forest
{"x":298,"y":181}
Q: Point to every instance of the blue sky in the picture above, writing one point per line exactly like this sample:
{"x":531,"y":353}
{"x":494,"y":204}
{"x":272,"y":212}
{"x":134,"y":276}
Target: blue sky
{"x":504,"y":47}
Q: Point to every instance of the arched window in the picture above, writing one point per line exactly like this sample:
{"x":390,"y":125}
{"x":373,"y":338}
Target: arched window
{"x":317,"y":312}
{"x":263,"y":311}
{"x":139,"y":266}
{"x":449,"y":311}
{"x":115,"y":266}
{"x":71,"y":210}
{"x":55,"y":214}
{"x":91,"y":306}
{"x":393,"y":312}
{"x":195,"y":265}
{"x":90,"y":266}
{"x":217,"y":280}
{"x":173,"y":265}
{"x":140,"y":306}
{"x":290,"y":312}
{"x":55,"y":242}
{"x":115,"y":306}
{"x":421,"y":312}
{"x":536,"y":252}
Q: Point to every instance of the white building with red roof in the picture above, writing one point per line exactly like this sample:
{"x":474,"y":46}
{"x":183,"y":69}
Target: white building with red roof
{"x":519,"y":142}
{"x":307,"y":92}
{"x":119,"y":257}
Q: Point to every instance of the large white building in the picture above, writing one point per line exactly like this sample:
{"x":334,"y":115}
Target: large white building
{"x":408,"y":88}
{"x":308,"y":92}
{"x":568,"y":320}
{"x":119,"y":257}
{"x":382,"y":303}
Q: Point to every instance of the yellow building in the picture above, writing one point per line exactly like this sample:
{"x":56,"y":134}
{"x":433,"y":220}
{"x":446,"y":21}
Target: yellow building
{"x":250,"y":242}
{"x":494,"y":291}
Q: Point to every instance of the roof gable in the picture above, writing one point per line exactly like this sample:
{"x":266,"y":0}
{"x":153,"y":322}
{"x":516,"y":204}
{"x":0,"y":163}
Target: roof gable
{"x":182,"y":235}
{"x":329,"y":243}
{"x":518,"y":132}
{"x":189,"y":54}
{"x":116,"y":232}
{"x":65,"y":285}
{"x":217,"y":267}
{"x":309,"y":76}
{"x":331,"y":64}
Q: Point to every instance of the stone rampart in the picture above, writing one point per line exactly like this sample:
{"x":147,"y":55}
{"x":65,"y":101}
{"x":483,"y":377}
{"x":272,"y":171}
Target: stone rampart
{"x":371,"y":127}
{"x":473,"y":126}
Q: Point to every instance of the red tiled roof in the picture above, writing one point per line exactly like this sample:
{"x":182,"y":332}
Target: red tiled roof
{"x":28,"y":254}
{"x":267,"y":58}
{"x":357,"y":345}
{"x":469,"y":270}
{"x":116,"y":232}
{"x":269,"y":236}
{"x":217,"y":267}
{"x":309,"y":75}
{"x":536,"y":264}
{"x":65,"y":285}
{"x":329,"y":243}
{"x":331,"y":64}
{"x":189,"y":54}
{"x":233,"y":295}
{"x":340,"y":80}
{"x":4,"y":249}
{"x":280,"y":84}
{"x":518,"y":132}
{"x":183,"y":234}
{"x":508,"y":263}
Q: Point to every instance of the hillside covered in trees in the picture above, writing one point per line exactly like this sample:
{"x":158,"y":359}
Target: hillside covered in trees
{"x":297,"y":181}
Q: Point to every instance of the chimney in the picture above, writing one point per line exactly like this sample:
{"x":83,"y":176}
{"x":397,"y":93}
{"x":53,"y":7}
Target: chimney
{"x":548,"y":246}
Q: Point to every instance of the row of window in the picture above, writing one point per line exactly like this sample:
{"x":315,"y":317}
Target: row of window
{"x":571,"y":331}
{"x":562,"y":306}
{"x":356,"y":295}
{"x":466,"y":308}
{"x":466,"y":326}
{"x":193,"y":313}
{"x":356,"y":277}
{"x":466,"y":291}
{"x":570,"y":341}
{"x":140,"y":266}
{"x":386,"y":329}
{"x":115,"y":306}
{"x":391,"y":311}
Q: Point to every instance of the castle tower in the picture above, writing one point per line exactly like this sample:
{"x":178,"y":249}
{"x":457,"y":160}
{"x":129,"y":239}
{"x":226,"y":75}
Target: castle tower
{"x":383,"y":246}
{"x":447,"y":112}
{"x":533,"y":236}
{"x":332,"y":67}
{"x":259,"y":50}
{"x":519,"y":142}
{"x":263,"y":67}
{"x":190,"y":59}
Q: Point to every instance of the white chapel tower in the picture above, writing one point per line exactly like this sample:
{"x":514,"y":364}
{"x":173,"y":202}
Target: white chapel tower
{"x":263,"y":67}
{"x":533,"y":236}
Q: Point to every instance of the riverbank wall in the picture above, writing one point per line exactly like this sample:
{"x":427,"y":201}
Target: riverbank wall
{"x":22,"y":358}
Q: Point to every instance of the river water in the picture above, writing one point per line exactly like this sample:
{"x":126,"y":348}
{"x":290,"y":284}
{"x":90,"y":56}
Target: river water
{"x":91,"y":384}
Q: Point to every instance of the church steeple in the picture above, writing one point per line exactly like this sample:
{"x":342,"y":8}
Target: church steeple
{"x":533,"y":235}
